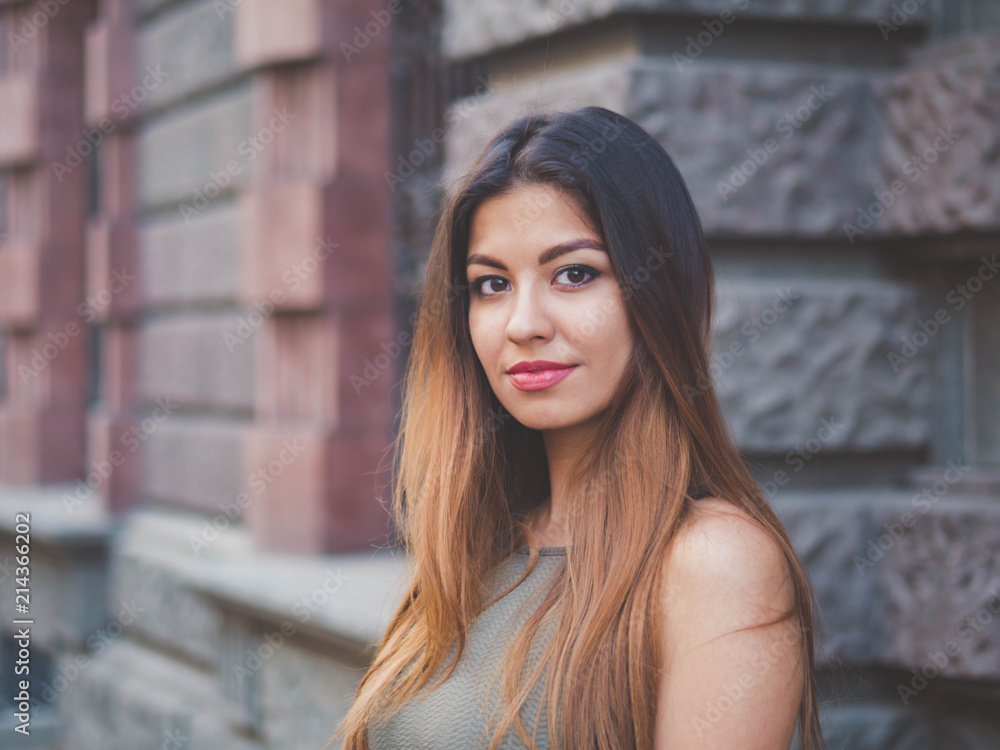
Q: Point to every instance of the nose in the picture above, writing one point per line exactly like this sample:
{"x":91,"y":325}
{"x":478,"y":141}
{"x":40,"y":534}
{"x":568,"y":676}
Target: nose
{"x":529,"y":315}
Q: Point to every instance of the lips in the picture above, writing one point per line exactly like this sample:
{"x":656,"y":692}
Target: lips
{"x":538,"y":365}
{"x":535,"y":380}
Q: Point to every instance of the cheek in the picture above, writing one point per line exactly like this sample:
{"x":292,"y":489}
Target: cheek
{"x":483,"y":334}
{"x":613,"y":343}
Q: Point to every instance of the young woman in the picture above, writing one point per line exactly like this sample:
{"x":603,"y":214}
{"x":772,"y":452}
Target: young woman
{"x":594,"y":567}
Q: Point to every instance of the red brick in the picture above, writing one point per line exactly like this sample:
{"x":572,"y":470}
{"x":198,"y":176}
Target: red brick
{"x":19,"y":143}
{"x":20,"y":290}
{"x":309,"y":150}
{"x":118,"y":371}
{"x":359,"y":471}
{"x":112,"y":274}
{"x":360,"y":273}
{"x":280,"y":231}
{"x":296,"y":369}
{"x":40,"y":445}
{"x":277,"y":31}
{"x":119,"y":489}
{"x":288,"y":514}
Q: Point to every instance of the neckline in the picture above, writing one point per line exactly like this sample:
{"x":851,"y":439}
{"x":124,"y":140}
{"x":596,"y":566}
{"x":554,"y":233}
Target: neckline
{"x":525,"y":550}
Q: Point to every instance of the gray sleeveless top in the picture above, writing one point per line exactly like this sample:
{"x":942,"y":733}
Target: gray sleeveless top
{"x":461,"y":713}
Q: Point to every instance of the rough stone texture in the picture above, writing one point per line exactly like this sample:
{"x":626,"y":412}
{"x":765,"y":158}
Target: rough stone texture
{"x":957,"y":185}
{"x":169,"y":613}
{"x":707,"y":118}
{"x":199,"y":360}
{"x":711,"y":119}
{"x":305,"y":694}
{"x":787,"y":356}
{"x":937,"y":570}
{"x":194,"y":461}
{"x":145,"y":699}
{"x":184,"y":263}
{"x":179,"y":152}
{"x":473,"y":28}
{"x":193,"y":45}
{"x":873,"y":726}
{"x":224,"y":608}
{"x":67,"y":564}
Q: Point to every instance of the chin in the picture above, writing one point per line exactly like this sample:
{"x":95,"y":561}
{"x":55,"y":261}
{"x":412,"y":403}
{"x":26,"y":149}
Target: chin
{"x":534,"y":420}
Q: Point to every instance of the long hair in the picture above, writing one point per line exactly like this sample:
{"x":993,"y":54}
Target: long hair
{"x":468,"y":474}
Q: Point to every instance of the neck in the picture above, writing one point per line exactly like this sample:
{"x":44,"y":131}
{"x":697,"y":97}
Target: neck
{"x":562,"y":446}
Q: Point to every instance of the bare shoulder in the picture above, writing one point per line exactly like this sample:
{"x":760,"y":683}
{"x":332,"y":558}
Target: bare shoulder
{"x":728,"y":679}
{"x":726,"y":566}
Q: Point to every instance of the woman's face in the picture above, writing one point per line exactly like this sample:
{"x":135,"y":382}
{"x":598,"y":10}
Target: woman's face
{"x":541,"y":288}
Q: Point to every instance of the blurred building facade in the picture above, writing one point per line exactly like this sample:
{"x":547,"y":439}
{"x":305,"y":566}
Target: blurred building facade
{"x":213,"y":220}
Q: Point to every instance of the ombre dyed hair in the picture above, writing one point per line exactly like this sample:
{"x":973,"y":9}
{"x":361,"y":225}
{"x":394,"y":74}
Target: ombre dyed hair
{"x":468,"y":474}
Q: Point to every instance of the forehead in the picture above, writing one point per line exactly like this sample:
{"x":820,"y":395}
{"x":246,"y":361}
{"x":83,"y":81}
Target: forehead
{"x":525,"y":215}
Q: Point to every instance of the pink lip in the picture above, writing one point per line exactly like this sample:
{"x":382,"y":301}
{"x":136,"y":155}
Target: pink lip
{"x":536,"y":381}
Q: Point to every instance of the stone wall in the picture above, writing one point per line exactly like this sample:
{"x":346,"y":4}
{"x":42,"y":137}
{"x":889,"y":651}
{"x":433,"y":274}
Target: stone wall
{"x":843,"y":159}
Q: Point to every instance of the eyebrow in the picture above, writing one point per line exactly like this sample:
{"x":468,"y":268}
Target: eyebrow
{"x":547,"y":256}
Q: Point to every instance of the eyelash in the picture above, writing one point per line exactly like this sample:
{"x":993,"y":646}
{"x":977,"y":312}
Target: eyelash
{"x":477,"y":285}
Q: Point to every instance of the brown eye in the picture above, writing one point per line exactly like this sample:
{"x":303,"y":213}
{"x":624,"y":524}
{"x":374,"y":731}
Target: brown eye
{"x":490,"y":283}
{"x":577,"y":275}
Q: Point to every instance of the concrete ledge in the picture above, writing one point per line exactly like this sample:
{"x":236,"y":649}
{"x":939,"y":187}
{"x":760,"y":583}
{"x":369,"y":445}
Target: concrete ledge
{"x":344,"y":600}
{"x":55,"y":520}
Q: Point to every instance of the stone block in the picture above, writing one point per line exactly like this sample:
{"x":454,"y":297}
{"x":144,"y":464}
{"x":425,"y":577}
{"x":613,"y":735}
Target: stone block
{"x":787,"y":356}
{"x":358,"y":473}
{"x":170,"y":614}
{"x":370,"y":356}
{"x":96,"y":71}
{"x":108,"y":454}
{"x":193,"y":157}
{"x":284,"y":246}
{"x":477,"y":28}
{"x":310,"y":98}
{"x":287,"y":481}
{"x":201,"y":360}
{"x":718,"y":122}
{"x":359,"y":274}
{"x":48,"y":366}
{"x":940,"y":141}
{"x":713,"y":120}
{"x":305,"y":694}
{"x":186,"y":263}
{"x":20,"y":285}
{"x":145,"y":699}
{"x":19,"y":131}
{"x":112,"y":273}
{"x":297,"y":361}
{"x":876,"y":726}
{"x":194,"y":462}
{"x":117,"y":185}
{"x":66,"y":588}
{"x":40,"y":444}
{"x":119,"y":366}
{"x":193,"y":46}
{"x":903,"y":579}
{"x":270,"y":32}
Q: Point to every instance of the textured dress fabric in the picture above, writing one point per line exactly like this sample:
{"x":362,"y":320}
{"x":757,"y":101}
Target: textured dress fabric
{"x":461,"y":713}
